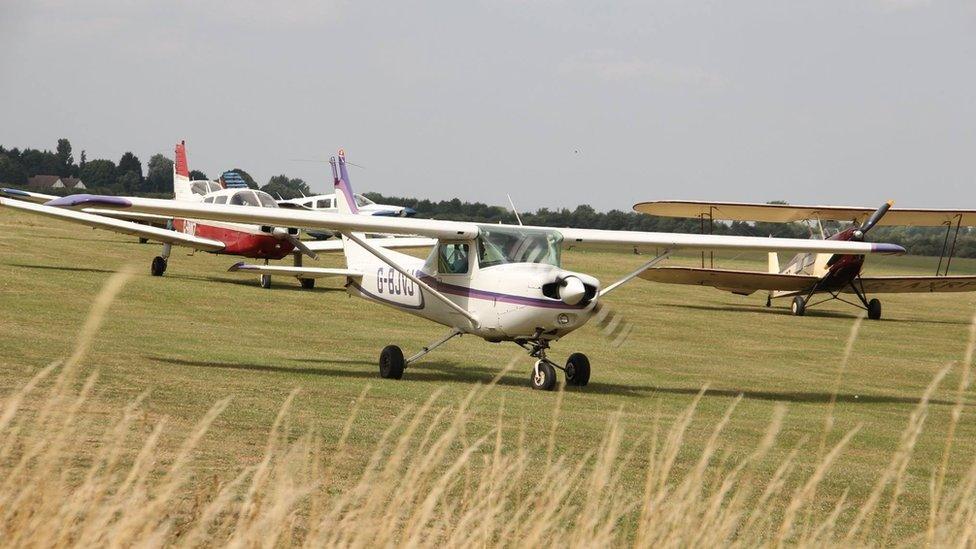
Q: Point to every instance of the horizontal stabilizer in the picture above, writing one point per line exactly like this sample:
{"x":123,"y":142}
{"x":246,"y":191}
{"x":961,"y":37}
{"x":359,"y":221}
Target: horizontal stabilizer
{"x":300,"y":272}
{"x":917,"y":284}
{"x":739,"y":282}
{"x":118,"y":225}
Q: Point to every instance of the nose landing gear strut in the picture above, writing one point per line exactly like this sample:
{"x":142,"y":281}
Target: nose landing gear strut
{"x":543,"y":377}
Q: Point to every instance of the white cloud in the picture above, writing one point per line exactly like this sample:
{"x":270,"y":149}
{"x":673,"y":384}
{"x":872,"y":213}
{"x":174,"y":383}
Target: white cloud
{"x":613,"y":66}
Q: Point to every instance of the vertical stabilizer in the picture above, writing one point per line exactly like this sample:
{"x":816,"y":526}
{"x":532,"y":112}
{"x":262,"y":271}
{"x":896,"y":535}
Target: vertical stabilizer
{"x":355,"y":254}
{"x":181,"y":174}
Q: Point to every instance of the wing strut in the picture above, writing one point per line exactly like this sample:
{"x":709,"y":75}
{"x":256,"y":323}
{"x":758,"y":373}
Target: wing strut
{"x":383,"y":257}
{"x":945,"y":245}
{"x":632,"y":275}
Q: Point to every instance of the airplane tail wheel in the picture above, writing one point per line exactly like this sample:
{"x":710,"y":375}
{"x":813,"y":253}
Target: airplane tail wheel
{"x":543,"y":376}
{"x":266,"y":281}
{"x":874,"y":309}
{"x":158,"y":266}
{"x":799,"y":306}
{"x":307,"y":283}
{"x":578,"y":370}
{"x":391,"y":362}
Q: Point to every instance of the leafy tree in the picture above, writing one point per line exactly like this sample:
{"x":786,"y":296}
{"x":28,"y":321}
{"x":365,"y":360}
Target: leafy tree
{"x":129,"y":183}
{"x":246,"y":177}
{"x":37,"y":162}
{"x":197,"y":175}
{"x":84,"y":158}
{"x":99,"y":173}
{"x":11,"y":172}
{"x":159,"y":178}
{"x":281,"y":185}
{"x":65,"y":160}
{"x":130,"y":163}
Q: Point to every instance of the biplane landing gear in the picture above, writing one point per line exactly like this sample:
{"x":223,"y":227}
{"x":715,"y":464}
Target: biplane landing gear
{"x":307,"y":283}
{"x":874,"y":309}
{"x":799,"y":306}
{"x":266,"y":279}
{"x":158,"y":266}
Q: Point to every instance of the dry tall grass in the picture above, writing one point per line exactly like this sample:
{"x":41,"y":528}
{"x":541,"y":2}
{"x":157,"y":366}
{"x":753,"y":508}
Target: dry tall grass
{"x":427,"y":483}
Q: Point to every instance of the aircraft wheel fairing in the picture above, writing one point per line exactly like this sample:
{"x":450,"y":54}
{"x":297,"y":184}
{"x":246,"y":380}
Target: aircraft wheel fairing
{"x":266,"y":281}
{"x":391,"y":362}
{"x":874,"y":309}
{"x":577,"y":370}
{"x":543,"y":376}
{"x":158,"y":266}
{"x":799,"y":306}
{"x":307,"y":283}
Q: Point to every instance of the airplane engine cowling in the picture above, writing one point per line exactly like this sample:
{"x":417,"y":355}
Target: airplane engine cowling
{"x":572,"y":290}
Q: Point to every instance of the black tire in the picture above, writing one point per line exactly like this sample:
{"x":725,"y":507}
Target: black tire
{"x":577,"y":370}
{"x":266,"y":282}
{"x":143,"y":240}
{"x":546,"y":378}
{"x":874,"y":309}
{"x":391,"y":362}
{"x":307,"y":283}
{"x":158,"y":266}
{"x":799,"y":307}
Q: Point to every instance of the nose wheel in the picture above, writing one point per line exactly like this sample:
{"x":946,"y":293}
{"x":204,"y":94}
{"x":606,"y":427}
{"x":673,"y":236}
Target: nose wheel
{"x":158,"y":266}
{"x":543,"y":376}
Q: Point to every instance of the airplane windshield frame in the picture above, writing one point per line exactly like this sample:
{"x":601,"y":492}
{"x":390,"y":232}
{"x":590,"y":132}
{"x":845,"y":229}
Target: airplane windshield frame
{"x":503,"y":245}
{"x":245,"y":198}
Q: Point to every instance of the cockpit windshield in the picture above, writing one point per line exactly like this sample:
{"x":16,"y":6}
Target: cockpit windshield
{"x":497,"y":246}
{"x":253,"y":198}
{"x":362,"y":201}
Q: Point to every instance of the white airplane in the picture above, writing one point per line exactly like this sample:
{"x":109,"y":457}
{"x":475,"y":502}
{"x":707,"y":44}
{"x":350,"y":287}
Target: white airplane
{"x":496,"y":282}
{"x":329,"y":203}
{"x":247,"y":240}
{"x":810,"y":274}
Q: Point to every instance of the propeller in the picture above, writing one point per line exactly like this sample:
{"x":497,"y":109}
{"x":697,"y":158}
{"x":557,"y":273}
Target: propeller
{"x":871,"y":221}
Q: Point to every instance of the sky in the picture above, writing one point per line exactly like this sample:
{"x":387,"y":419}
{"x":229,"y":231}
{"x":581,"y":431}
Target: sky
{"x":556,"y":103}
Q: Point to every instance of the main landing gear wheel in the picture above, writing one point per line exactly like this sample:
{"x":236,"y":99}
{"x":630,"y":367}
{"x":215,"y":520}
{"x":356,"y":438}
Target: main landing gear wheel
{"x":391,"y":362}
{"x":543,"y":376}
{"x":307,"y":283}
{"x":266,"y":281}
{"x":577,"y":370}
{"x":158,"y":266}
{"x":799,"y":306}
{"x":143,"y":240}
{"x":874,"y":309}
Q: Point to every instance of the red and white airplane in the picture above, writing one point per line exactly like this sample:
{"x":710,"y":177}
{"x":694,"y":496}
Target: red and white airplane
{"x":248,"y":240}
{"x":810,"y":274}
{"x":495,"y":282}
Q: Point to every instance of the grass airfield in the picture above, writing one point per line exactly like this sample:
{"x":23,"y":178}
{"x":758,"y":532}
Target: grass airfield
{"x":199,"y":334}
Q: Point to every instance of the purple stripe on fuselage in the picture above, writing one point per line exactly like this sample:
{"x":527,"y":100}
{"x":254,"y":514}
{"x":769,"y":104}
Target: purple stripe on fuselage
{"x":464,"y":291}
{"x":73,"y":200}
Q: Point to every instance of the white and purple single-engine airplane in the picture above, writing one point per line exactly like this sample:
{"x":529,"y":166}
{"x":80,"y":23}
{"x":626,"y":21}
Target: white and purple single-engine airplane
{"x":497,"y":282}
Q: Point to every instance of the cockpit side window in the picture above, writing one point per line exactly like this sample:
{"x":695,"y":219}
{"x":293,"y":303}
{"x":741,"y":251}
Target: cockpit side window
{"x":323,"y":204}
{"x":452,"y":258}
{"x":209,"y":200}
{"x":222,"y":199}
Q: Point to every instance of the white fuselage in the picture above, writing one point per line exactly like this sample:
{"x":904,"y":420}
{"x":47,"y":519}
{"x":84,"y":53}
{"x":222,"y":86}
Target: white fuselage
{"x":506,"y":299}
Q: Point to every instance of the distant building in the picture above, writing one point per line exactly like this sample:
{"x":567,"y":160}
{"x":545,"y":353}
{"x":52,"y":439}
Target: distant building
{"x":48,"y":182}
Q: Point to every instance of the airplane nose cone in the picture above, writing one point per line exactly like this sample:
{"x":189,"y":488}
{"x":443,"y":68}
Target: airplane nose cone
{"x":409,"y":212}
{"x":572,"y":290}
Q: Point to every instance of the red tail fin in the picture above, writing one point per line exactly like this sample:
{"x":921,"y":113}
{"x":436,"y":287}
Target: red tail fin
{"x":181,"y":167}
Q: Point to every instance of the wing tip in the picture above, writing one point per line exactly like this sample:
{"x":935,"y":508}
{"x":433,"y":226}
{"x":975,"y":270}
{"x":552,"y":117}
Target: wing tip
{"x":73,"y":200}
{"x":893,"y":249}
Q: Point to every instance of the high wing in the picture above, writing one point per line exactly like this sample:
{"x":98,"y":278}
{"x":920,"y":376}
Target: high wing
{"x":456,"y":230}
{"x":917,"y":284}
{"x":41,"y":198}
{"x":117,"y":225}
{"x":739,"y":282}
{"x":784,"y":213}
{"x":392,"y":243}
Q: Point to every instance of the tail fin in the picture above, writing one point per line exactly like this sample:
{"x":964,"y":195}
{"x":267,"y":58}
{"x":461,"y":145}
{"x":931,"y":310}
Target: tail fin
{"x":345,"y":199}
{"x":181,"y":174}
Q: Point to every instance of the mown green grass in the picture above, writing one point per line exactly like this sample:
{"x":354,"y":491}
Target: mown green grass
{"x":199,"y":334}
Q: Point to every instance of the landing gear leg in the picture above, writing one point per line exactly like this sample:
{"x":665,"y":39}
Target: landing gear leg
{"x":543,"y":377}
{"x":392,"y":362}
{"x":159,"y":262}
{"x":873,"y":307}
{"x":307,"y":283}
{"x":266,"y":279}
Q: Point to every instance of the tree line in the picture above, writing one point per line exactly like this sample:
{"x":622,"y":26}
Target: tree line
{"x":126,"y":176}
{"x":917,"y":240}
